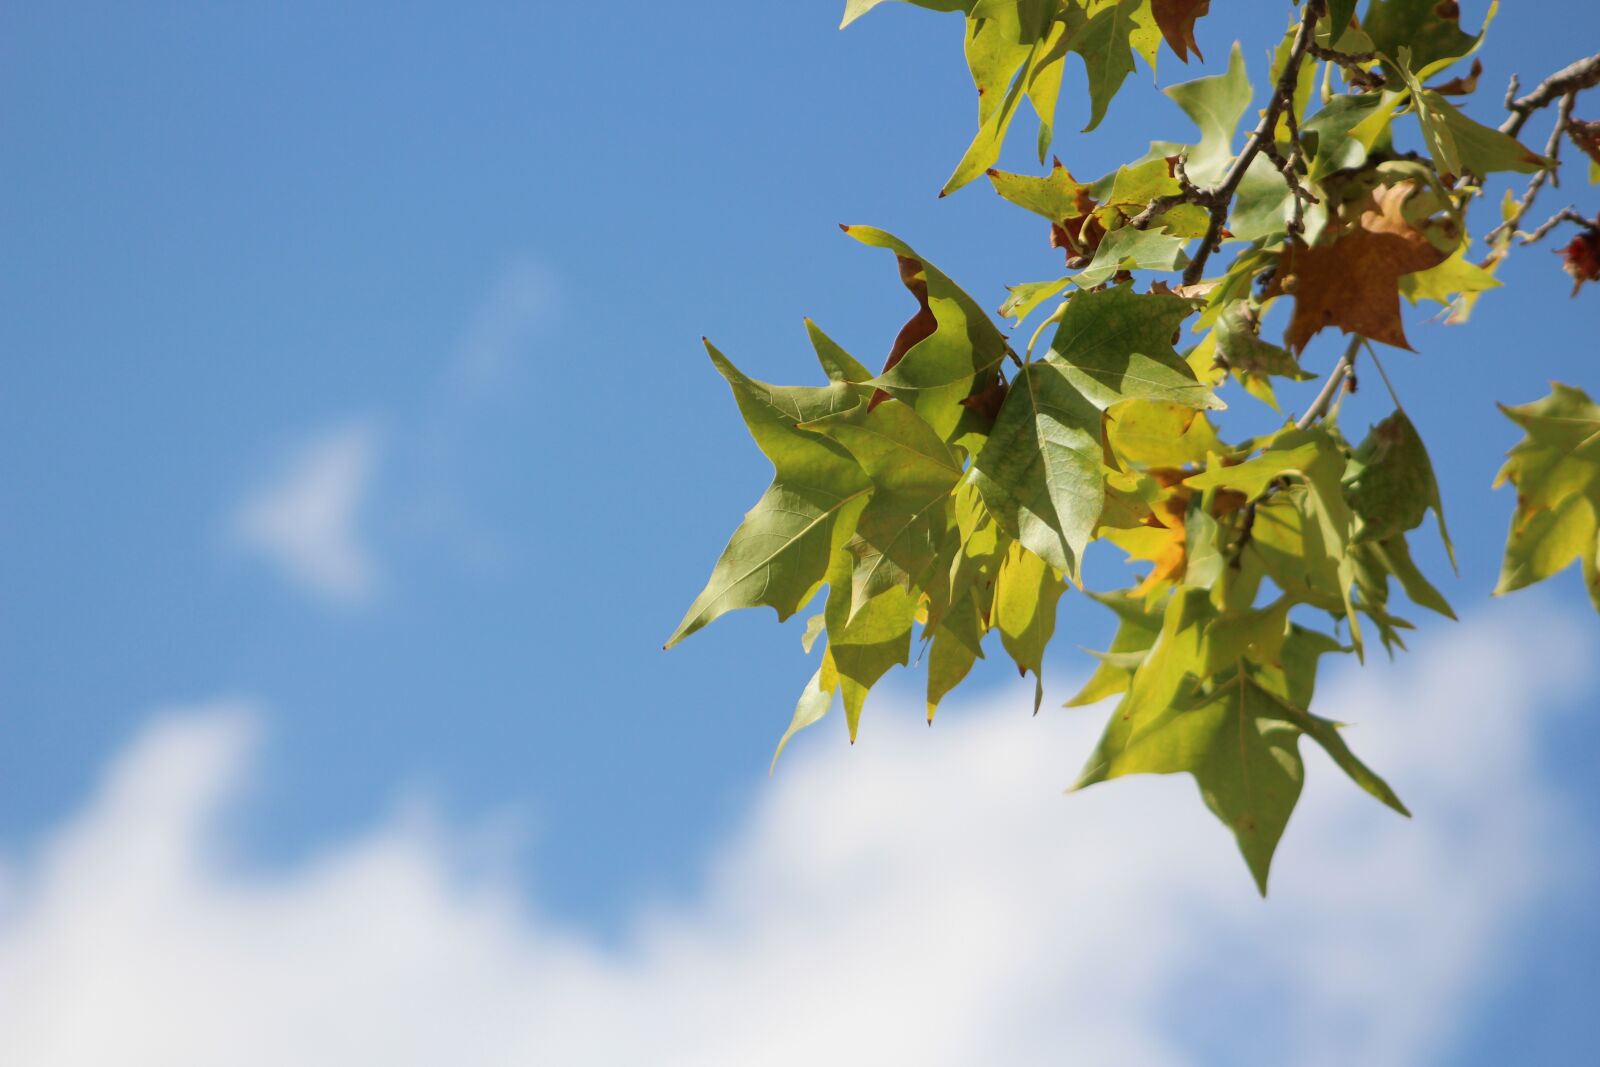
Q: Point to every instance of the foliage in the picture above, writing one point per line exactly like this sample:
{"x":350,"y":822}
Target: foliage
{"x":957,"y":491}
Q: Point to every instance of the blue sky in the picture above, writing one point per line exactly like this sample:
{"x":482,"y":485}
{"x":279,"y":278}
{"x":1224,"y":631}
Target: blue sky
{"x":356,"y":409}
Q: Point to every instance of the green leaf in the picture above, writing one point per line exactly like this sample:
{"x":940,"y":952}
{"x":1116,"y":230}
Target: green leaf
{"x":837,"y":364}
{"x":1250,"y":358}
{"x":1461,"y":145}
{"x":814,"y":702}
{"x":984,"y":150}
{"x":1396,"y":556}
{"x":1216,"y":104}
{"x":959,"y":358}
{"x":956,"y":647}
{"x":1333,"y":130}
{"x":1126,"y":248}
{"x":1104,"y":32}
{"x":1043,"y":84}
{"x":1057,"y":196}
{"x":1339,"y":15}
{"x":1040,"y":474}
{"x":912,"y":473}
{"x":1042,"y":471}
{"x":1115,"y":344}
{"x":865,"y":640}
{"x":1556,"y":472}
{"x":1430,"y":29}
{"x":1160,"y":434}
{"x":1254,"y":475}
{"x":1391,"y":482}
{"x":1137,"y":631}
{"x":1025,"y":298}
{"x":780,"y":554}
{"x":1025,"y":612}
{"x":1447,"y":283}
{"x":1234,"y":741}
{"x":854,"y":9}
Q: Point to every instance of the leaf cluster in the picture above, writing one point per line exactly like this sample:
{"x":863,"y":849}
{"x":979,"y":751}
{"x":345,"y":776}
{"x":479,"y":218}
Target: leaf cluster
{"x":956,"y":492}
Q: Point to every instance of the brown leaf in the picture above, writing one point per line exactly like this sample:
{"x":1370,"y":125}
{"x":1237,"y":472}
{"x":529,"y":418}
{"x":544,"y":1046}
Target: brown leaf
{"x":1581,"y":259}
{"x":987,"y":401}
{"x":1176,"y":19}
{"x":1586,"y":135}
{"x":1080,"y":235}
{"x":919,"y":328}
{"x":1462,"y":84}
{"x":1352,"y":279}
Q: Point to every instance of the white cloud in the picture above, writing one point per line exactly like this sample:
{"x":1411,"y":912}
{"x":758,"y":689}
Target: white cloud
{"x":305,"y":520}
{"x":523,"y":298}
{"x":926,"y":897}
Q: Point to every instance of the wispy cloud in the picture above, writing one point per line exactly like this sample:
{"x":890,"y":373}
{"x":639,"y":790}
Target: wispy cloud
{"x":305,"y":520}
{"x":926,"y":897}
{"x":523,"y":298}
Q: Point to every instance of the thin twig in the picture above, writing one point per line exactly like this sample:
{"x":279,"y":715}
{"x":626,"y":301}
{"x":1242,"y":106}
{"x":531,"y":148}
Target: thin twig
{"x":1221,"y":197}
{"x":1566,"y":214}
{"x":1552,"y":151}
{"x":1584,"y":74}
{"x":1330,"y":388}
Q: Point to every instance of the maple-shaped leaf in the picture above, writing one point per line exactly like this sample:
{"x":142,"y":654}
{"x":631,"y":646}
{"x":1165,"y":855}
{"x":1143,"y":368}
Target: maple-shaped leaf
{"x":1232,"y":738}
{"x":1216,"y":104}
{"x":1062,"y":199}
{"x":839,"y":365}
{"x":1303,"y":534}
{"x":1116,"y":344}
{"x":1041,"y":473}
{"x":1430,"y":29}
{"x":1251,"y":359}
{"x":1455,"y":283}
{"x":1176,"y":19}
{"x":1461,"y":145}
{"x":1160,"y":434}
{"x":1556,"y":471}
{"x":912,"y":472}
{"x":782,"y":550}
{"x":1351,"y":278}
{"x":815,"y":701}
{"x":1390,"y":482}
{"x":1025,"y":598}
{"x":955,"y":648}
{"x":864,"y":640}
{"x":1137,"y":630}
{"x":1015,"y":50}
{"x":1126,"y":249}
{"x":935,"y":369}
{"x":1105,"y":33}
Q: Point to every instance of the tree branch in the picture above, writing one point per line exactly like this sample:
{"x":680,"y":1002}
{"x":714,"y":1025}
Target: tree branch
{"x":1552,"y":151}
{"x":1220,"y":198}
{"x":1584,"y":74}
{"x":1566,"y":214}
{"x":1330,"y":388}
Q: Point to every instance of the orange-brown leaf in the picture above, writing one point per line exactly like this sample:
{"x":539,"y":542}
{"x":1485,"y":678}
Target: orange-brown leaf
{"x":1176,"y":18}
{"x":1352,"y":280}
